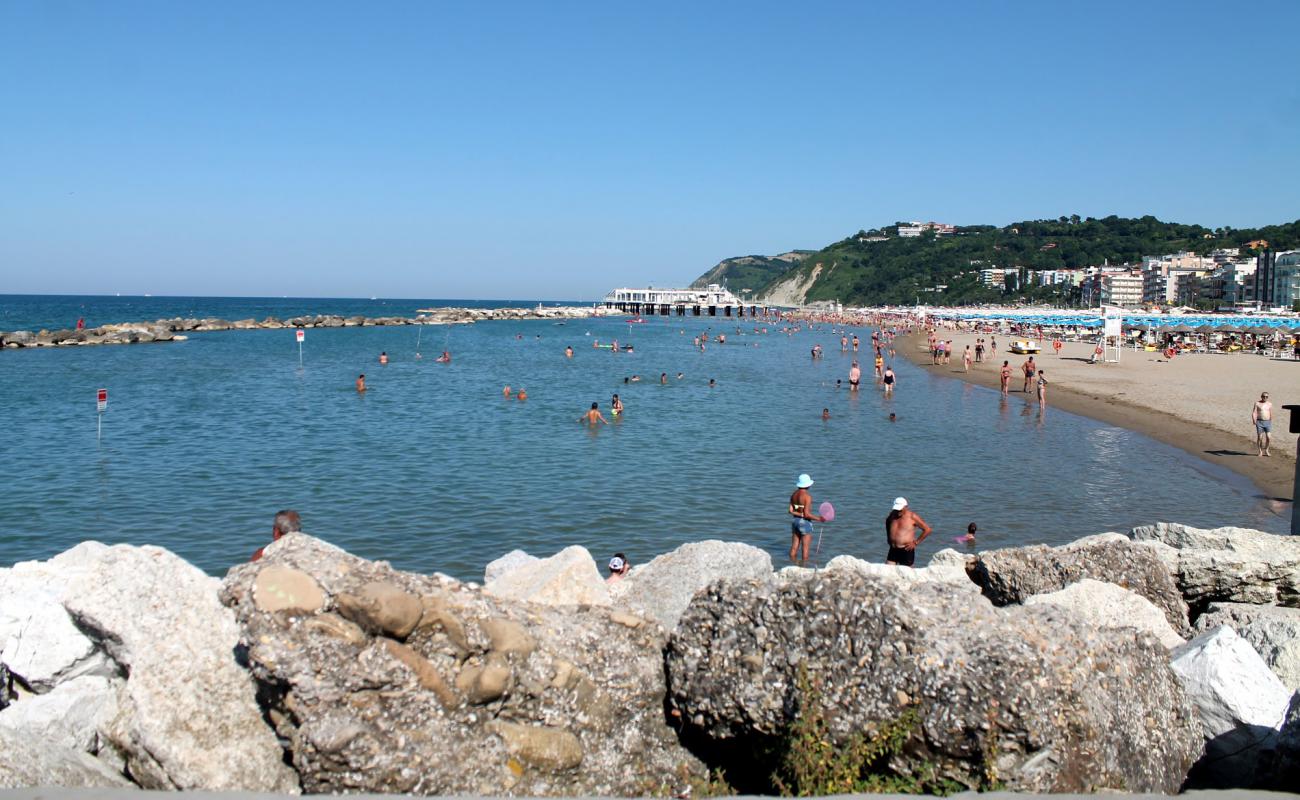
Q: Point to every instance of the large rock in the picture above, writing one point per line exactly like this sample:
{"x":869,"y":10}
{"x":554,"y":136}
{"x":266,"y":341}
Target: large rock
{"x":1026,"y":698}
{"x":569,"y":577}
{"x":31,"y":763}
{"x":507,"y":563}
{"x":189,"y":717}
{"x":1274,"y":632}
{"x":71,"y":715}
{"x":662,"y":588}
{"x":1241,"y":704}
{"x":1012,"y":575}
{"x":944,"y":570}
{"x":1228,"y":565}
{"x":485,"y":695}
{"x":1105,"y":605}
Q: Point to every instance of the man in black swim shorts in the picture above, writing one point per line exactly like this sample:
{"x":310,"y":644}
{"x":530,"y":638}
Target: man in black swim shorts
{"x":900,"y":528}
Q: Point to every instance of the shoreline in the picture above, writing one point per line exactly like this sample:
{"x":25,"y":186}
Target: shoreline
{"x":1273,"y":477}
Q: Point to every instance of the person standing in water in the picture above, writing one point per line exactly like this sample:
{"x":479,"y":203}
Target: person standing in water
{"x":383,"y":357}
{"x":855,"y":376}
{"x":615,"y":406}
{"x":593,"y":416}
{"x":801,"y":529}
{"x":361,"y":382}
{"x":568,"y":352}
{"x":1042,"y":389}
{"x":900,"y":528}
{"x":890,"y":379}
{"x":1005,"y":374}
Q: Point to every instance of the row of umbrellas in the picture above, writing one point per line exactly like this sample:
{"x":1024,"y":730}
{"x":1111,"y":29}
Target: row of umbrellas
{"x":1253,"y":325}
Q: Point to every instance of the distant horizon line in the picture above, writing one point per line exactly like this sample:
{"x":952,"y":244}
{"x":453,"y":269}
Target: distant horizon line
{"x":295,"y":297}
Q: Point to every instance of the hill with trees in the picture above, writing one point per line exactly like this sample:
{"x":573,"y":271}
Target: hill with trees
{"x":746,"y":275}
{"x":878,"y":267}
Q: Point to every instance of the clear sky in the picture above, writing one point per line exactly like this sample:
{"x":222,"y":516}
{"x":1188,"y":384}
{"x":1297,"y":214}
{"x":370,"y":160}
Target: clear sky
{"x":557,"y":150}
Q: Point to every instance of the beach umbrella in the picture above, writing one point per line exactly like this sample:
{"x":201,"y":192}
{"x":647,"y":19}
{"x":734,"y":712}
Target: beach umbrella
{"x":1181,"y":329}
{"x":1205,"y":329}
{"x":1225,"y":329}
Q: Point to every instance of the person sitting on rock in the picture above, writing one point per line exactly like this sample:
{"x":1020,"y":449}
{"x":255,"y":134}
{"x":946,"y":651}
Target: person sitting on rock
{"x":618,"y":568}
{"x":286,"y":521}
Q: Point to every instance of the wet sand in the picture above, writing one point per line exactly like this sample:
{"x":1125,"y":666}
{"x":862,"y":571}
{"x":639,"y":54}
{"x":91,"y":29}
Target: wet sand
{"x":1199,"y":403}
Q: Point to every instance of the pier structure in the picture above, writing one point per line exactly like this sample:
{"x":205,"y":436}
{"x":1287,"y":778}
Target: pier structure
{"x":713,"y":300}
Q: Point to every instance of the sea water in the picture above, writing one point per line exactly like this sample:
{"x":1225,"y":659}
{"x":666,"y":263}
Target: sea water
{"x":434,"y":469}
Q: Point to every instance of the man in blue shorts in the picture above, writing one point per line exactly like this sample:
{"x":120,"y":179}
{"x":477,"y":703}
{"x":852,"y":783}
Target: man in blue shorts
{"x":801,"y":529}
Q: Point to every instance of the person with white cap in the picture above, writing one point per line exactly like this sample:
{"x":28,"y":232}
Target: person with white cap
{"x":801,"y":529}
{"x":618,"y":568}
{"x":900,"y":528}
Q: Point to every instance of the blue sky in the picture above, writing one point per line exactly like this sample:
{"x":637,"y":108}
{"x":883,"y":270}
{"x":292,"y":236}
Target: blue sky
{"x":556,"y":150}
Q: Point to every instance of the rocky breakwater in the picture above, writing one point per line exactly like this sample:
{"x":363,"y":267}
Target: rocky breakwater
{"x":170,"y":330}
{"x":380,"y":680}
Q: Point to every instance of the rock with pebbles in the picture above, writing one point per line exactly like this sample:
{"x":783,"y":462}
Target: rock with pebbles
{"x":1242,"y":706}
{"x":569,"y":577}
{"x":943,"y":570}
{"x":1027,"y":698}
{"x":485,"y":695}
{"x":1013,"y":574}
{"x":1105,"y":605}
{"x":662,"y":588}
{"x":507,"y":563}
{"x":1273,"y":631}
{"x":31,"y":763}
{"x":1228,"y":565}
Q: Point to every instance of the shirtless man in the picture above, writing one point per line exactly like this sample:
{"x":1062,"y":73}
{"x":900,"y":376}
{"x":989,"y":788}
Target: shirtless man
{"x":900,"y":528}
{"x":801,"y":529}
{"x":855,"y":343}
{"x":286,"y":521}
{"x":1262,"y":416}
{"x":361,"y":382}
{"x":568,"y":352}
{"x":855,"y":377}
{"x":1029,"y":368}
{"x":593,"y":416}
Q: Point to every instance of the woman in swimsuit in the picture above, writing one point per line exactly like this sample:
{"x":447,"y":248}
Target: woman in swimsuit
{"x":616,"y":406}
{"x":801,"y":529}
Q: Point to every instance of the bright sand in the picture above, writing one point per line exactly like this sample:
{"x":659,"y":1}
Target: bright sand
{"x":1200,"y":403}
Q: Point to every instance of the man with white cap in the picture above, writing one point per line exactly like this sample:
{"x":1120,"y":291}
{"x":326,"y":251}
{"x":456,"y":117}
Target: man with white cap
{"x":801,"y":529}
{"x":900,"y":527}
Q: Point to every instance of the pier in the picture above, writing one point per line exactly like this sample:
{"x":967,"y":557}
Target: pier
{"x":711,"y":301}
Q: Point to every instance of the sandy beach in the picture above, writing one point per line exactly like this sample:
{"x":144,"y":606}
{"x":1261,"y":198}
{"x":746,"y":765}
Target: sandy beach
{"x":1200,"y":403}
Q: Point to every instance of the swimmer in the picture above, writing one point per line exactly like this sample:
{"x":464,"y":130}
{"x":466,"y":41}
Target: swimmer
{"x":679,"y":376}
{"x":568,"y":352}
{"x":893,"y":417}
{"x":636,"y":378}
{"x":593,"y":416}
{"x":663,"y":378}
{"x":969,"y":538}
{"x":712,"y":383}
{"x":616,"y":406}
{"x":383,"y":357}
{"x":618,"y":568}
{"x":445,"y":358}
{"x":826,"y":413}
{"x":505,"y":392}
{"x":521,"y":395}
{"x":855,"y":377}
{"x":361,"y":382}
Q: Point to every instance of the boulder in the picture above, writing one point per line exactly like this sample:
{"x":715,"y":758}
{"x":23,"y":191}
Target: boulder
{"x":20,"y":338}
{"x":485,"y":696}
{"x":952,"y":691}
{"x":381,"y":607}
{"x":1273,"y":631}
{"x":662,"y":588}
{"x":38,"y":642}
{"x":188,"y":716}
{"x":31,"y":763}
{"x":1013,"y":574}
{"x":1241,"y":705}
{"x":1228,"y":565}
{"x":944,"y":570}
{"x":71,"y":715}
{"x":1105,"y":605}
{"x":569,"y":577}
{"x":506,"y":563}
{"x":284,"y":589}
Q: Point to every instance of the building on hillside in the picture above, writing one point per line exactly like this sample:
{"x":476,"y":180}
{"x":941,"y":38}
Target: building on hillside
{"x":1227,"y":282}
{"x":917,"y":228}
{"x":993,"y":276}
{"x":1059,"y":277}
{"x":1115,"y":288}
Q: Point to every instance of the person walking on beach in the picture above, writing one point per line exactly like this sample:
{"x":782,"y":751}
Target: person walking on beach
{"x":979,"y":351}
{"x":593,"y":416}
{"x":1042,"y":389}
{"x":889,"y":379}
{"x":1029,"y":368}
{"x":900,"y":528}
{"x":1262,"y":416}
{"x":966,"y":359}
{"x":1005,"y":373}
{"x":801,"y":529}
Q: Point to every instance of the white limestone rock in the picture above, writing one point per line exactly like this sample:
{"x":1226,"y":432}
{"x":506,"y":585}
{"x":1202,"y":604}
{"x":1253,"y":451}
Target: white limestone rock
{"x":1274,"y":632}
{"x":71,"y":715}
{"x":569,"y":577}
{"x":188,"y":716}
{"x":662,"y":588}
{"x":31,"y":763}
{"x":1105,"y":605}
{"x":507,"y":563}
{"x":1240,"y":702}
{"x":945,"y":571}
{"x":1235,"y":565}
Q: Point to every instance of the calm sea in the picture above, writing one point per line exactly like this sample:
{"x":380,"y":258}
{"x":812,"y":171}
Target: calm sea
{"x":434,"y":471}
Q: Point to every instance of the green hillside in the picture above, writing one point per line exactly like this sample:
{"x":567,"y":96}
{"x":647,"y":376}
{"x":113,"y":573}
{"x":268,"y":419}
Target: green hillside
{"x":746,"y":274}
{"x":857,"y":271}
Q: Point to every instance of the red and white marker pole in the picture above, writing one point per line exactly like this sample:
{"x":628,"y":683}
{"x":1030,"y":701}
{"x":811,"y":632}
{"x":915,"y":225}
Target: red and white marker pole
{"x":301,"y":334}
{"x":101,"y":405}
